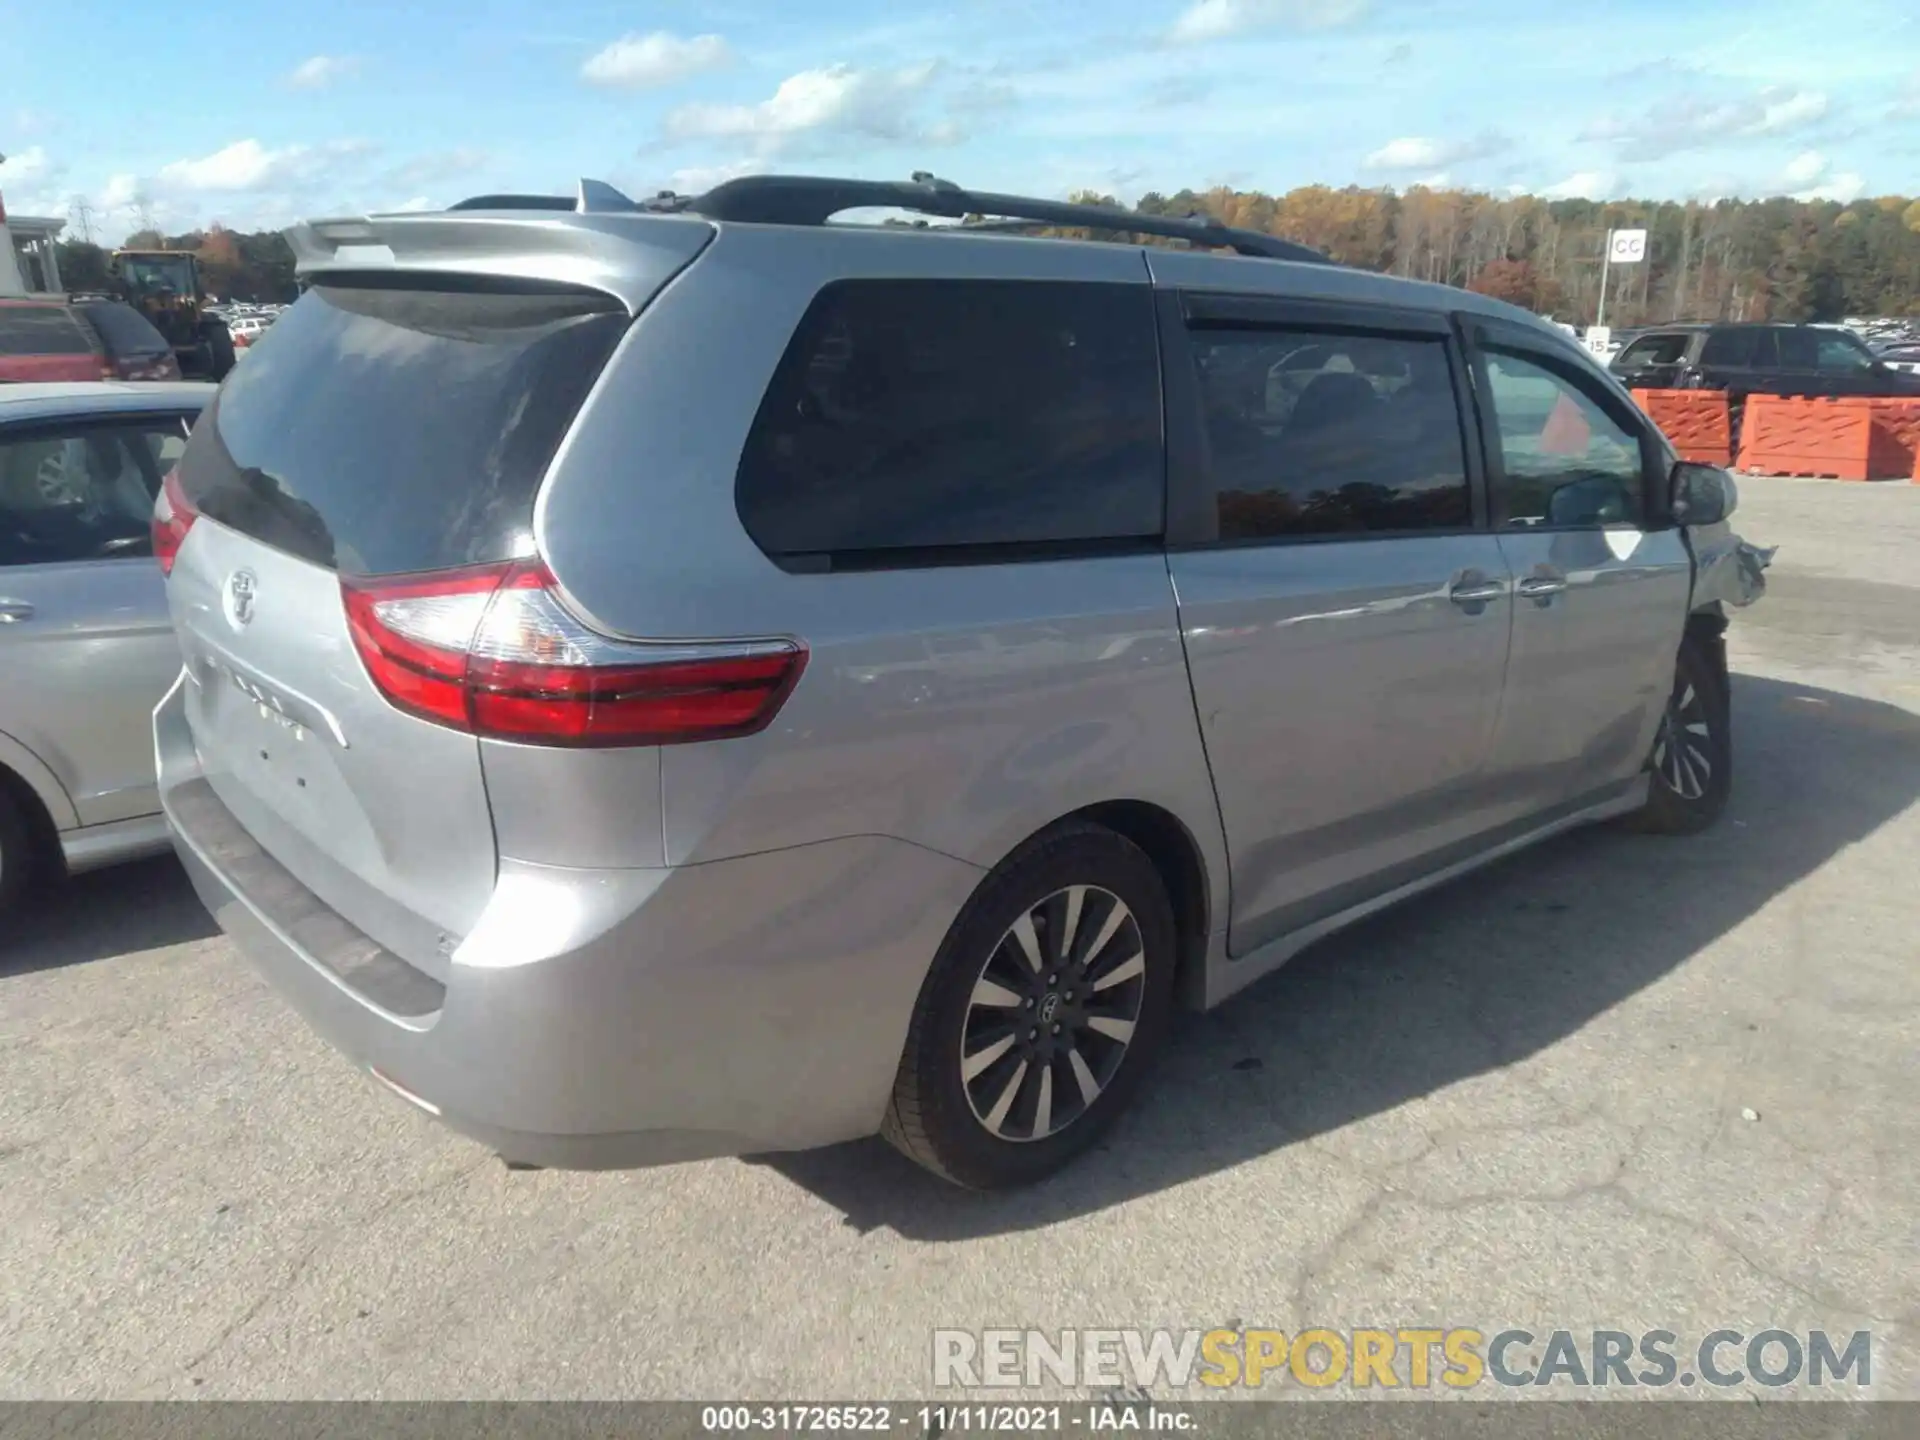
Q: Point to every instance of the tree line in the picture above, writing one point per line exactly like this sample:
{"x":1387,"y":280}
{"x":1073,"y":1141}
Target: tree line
{"x":1774,"y":259}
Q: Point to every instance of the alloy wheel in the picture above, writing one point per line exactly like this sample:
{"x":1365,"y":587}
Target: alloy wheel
{"x":1052,"y":1013}
{"x":1681,"y":755}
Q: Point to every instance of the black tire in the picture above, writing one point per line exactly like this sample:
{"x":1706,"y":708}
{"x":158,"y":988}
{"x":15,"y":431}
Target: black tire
{"x":932,"y":1118}
{"x":1695,"y":735}
{"x":217,"y":341}
{"x":19,"y":856}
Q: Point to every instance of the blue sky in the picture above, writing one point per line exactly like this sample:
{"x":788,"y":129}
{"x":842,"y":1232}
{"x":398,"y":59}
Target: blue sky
{"x":364,"y":105}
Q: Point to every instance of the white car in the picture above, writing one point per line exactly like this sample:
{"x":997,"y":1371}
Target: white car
{"x":85,"y":644}
{"x":248,"y":328}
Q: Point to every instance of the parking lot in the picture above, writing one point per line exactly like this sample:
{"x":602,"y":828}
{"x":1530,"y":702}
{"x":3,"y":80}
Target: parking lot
{"x":1619,"y":1082}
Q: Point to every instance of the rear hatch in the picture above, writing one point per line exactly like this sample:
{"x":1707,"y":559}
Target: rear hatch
{"x":387,"y":425}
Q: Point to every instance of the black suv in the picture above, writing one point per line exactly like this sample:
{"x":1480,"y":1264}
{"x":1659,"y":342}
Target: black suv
{"x":1758,"y":359}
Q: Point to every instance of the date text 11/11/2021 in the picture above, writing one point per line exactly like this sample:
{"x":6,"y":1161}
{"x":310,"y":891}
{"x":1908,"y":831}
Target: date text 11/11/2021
{"x":1097,"y":1418}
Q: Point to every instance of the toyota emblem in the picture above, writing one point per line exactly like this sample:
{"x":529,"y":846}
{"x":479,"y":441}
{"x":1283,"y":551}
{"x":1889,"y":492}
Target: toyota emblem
{"x":241,"y":586}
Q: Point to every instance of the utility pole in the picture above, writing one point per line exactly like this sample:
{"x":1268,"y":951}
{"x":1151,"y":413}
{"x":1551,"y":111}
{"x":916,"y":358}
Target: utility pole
{"x":1686,"y":261}
{"x":82,"y":215}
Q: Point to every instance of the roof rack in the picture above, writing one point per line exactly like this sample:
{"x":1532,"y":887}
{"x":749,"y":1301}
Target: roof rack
{"x":814,"y":200}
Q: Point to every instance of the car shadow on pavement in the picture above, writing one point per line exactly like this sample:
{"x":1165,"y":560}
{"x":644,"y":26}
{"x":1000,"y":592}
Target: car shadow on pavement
{"x":140,"y":906}
{"x":1470,"y":978}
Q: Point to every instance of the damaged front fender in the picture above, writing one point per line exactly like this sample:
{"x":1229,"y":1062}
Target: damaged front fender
{"x":1727,"y":570}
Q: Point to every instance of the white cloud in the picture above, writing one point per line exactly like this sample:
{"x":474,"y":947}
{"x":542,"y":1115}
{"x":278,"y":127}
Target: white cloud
{"x":1585,"y":185}
{"x":875,"y":104}
{"x":24,"y":165}
{"x":119,"y":192}
{"x":413,"y":206}
{"x":1405,"y":154}
{"x":249,"y":165}
{"x":1218,"y":19}
{"x":1421,"y":152}
{"x":1784,"y":113}
{"x":320,"y":71}
{"x":243,"y":165}
{"x":1806,"y":168}
{"x":1690,"y":123}
{"x":1845,"y":187}
{"x":636,"y":62}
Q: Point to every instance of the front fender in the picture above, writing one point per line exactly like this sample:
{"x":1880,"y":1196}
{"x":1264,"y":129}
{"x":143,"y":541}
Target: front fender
{"x":1727,"y":570}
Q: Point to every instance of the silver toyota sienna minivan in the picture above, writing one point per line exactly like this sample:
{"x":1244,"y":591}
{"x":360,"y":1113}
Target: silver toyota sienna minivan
{"x":688,"y":678}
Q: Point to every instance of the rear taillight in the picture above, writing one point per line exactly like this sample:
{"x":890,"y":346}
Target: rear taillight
{"x":173,"y":516}
{"x":493,"y":651}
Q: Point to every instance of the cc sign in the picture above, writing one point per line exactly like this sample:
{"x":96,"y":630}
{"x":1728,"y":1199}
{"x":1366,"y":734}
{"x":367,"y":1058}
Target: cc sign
{"x":1627,"y":247}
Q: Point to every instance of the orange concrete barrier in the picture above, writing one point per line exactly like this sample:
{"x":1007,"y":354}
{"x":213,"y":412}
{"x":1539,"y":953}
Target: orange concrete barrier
{"x":1894,"y":449}
{"x":1789,"y":435}
{"x":1696,"y":421}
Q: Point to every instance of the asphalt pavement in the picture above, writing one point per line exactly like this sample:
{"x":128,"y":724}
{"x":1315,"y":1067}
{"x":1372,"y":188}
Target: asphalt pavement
{"x":1619,"y":1082}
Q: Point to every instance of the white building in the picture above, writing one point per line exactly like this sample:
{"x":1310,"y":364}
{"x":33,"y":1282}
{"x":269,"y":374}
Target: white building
{"x":28,"y":264}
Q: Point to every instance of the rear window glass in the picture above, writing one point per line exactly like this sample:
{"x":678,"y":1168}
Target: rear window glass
{"x":42,"y":330}
{"x":380,"y":431}
{"x":125,"y":330}
{"x":914,"y":418}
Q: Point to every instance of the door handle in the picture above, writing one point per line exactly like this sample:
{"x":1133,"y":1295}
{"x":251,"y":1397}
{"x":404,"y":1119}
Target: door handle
{"x":12,"y":610}
{"x":1474,"y":590}
{"x":1541,"y":587}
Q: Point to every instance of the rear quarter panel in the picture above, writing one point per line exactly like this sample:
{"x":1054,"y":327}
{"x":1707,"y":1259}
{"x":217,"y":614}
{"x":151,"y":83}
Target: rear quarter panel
{"x":961,"y":708}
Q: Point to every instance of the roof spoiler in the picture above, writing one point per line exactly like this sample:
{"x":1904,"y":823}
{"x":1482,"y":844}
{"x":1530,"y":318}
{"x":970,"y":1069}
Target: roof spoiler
{"x":506,"y":242}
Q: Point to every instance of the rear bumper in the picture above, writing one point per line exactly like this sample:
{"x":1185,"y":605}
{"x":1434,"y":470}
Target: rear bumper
{"x":608,"y":1018}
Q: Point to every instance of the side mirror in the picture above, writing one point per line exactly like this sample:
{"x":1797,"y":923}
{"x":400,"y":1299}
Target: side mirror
{"x":1702,"y":494}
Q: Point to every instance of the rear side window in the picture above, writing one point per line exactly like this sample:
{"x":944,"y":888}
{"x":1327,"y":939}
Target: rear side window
{"x":379,"y":431}
{"x":1322,"y":434}
{"x":124,"y":330}
{"x":923,"y":420}
{"x":43,"y":330}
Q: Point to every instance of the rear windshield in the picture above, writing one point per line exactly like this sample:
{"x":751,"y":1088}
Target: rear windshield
{"x":42,"y":330}
{"x":124,"y":329}
{"x":380,"y":431}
